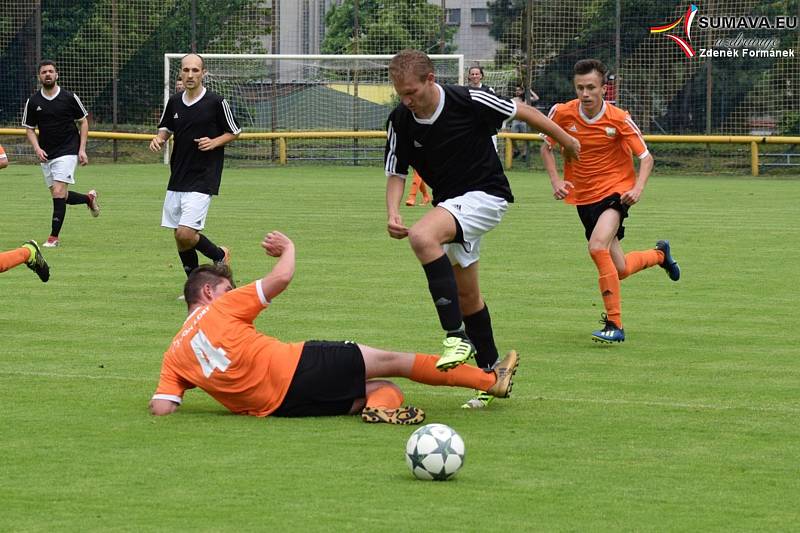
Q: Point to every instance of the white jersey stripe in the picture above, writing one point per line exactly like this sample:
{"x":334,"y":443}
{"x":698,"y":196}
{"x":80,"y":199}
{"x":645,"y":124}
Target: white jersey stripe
{"x":229,"y":117}
{"x":391,"y":159}
{"x":25,"y":114}
{"x":163,"y":113}
{"x":492,"y":101}
{"x":80,"y":104}
{"x":638,"y":132}
{"x":552,"y":111}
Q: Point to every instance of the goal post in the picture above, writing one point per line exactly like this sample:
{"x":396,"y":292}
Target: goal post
{"x":307,"y":93}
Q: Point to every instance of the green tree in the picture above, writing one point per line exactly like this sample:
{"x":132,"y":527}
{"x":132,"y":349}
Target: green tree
{"x":385,"y":27}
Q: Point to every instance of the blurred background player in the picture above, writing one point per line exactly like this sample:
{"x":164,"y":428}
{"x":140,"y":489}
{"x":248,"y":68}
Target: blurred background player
{"x":179,"y":84}
{"x":29,"y":254}
{"x":219,"y":350}
{"x":202,"y":123}
{"x":444,"y":131}
{"x":604,"y":185}
{"x":475,"y":77}
{"x":59,"y":145}
{"x":418,"y":185}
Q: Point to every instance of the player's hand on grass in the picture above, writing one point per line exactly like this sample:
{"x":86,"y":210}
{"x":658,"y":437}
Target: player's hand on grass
{"x":396,"y":228}
{"x":276,"y":243}
{"x":631,"y":197}
{"x":205,"y":144}
{"x":572,"y":150}
{"x":41,"y":154}
{"x":83,"y":159}
{"x":561,"y":189}
{"x":156,"y":144}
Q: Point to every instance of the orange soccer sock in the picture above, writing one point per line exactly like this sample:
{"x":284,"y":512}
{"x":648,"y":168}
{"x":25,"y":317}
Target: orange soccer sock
{"x":425,"y":371}
{"x":609,"y":285}
{"x":636,"y":261}
{"x":12,"y":258}
{"x":387,"y":396}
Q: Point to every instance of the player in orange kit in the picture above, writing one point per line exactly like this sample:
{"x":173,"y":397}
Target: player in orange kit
{"x":219,"y":350}
{"x":418,"y":185}
{"x":604,"y":185}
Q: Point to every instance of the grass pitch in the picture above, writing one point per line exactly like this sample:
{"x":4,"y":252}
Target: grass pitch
{"x":691,"y":424}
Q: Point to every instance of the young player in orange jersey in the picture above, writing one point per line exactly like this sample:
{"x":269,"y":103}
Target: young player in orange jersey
{"x":3,"y":158}
{"x":418,"y":185}
{"x":604,"y":185}
{"x":29,"y":254}
{"x":219,"y":350}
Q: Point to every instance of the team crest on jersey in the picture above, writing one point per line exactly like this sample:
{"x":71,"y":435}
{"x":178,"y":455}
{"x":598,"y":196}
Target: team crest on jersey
{"x":176,"y":115}
{"x":611,"y":132}
{"x":416,"y":144}
{"x":38,"y":108}
{"x":572,"y":127}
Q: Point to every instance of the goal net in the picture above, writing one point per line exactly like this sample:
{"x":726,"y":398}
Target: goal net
{"x":307,"y":93}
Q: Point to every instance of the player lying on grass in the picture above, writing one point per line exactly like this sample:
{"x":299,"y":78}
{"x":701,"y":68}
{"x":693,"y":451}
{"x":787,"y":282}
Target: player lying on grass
{"x":219,"y":350}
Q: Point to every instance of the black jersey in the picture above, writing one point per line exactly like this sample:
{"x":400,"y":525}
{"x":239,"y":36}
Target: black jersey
{"x":55,"y":117}
{"x":452,"y":150}
{"x":193,"y":170}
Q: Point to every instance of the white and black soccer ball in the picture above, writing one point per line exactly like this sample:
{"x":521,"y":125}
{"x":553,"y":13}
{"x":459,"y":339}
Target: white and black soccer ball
{"x":435,"y":452}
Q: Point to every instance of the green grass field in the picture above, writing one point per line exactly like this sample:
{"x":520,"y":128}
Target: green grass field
{"x":691,"y":424}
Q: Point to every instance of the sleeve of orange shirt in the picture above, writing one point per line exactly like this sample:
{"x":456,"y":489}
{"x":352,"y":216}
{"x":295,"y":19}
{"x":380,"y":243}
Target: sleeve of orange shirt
{"x":170,"y":386}
{"x":632,"y":137}
{"x":554,"y":116}
{"x":244,"y":303}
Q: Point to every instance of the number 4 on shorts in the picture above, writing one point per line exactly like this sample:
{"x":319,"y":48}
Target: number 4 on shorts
{"x":210,"y":356}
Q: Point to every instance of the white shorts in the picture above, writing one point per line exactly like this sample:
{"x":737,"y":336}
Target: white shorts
{"x":477,"y":213}
{"x":188,"y":209}
{"x":60,"y":169}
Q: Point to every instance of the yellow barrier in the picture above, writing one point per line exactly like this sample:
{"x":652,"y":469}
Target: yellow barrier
{"x":282,"y":136}
{"x":752,"y":140}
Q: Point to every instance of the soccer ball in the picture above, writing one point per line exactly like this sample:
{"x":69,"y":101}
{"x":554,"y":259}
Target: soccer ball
{"x":435,"y":452}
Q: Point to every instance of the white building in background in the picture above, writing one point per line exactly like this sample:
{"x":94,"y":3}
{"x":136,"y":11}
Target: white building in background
{"x":472,"y":38}
{"x":302,"y":27}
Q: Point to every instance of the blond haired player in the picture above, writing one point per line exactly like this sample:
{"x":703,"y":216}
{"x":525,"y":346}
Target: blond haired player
{"x":604,"y":185}
{"x":219,"y":350}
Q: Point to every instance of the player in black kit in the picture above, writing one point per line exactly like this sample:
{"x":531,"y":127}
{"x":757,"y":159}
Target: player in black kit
{"x":202,"y":123}
{"x":59,"y":146}
{"x":445,"y":132}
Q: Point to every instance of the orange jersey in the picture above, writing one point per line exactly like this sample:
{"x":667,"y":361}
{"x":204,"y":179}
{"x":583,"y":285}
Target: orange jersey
{"x":607,"y":142}
{"x":3,"y":155}
{"x":219,"y":350}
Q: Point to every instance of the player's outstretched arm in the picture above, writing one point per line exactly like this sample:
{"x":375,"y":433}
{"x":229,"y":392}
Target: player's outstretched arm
{"x":158,"y":141}
{"x":160,"y":407}
{"x":276,"y":244}
{"x":538,"y":121}
{"x":560,"y":187}
{"x":83,"y":159}
{"x":395,"y":185}
{"x":30,"y":133}
{"x":645,"y":168}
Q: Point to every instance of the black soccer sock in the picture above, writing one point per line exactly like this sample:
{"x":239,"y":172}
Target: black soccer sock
{"x":479,"y":330}
{"x":209,"y":249}
{"x":76,"y":198}
{"x":444,"y":291}
{"x":59,"y":212}
{"x":189,"y":260}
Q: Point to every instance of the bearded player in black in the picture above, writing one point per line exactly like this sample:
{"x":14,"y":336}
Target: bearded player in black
{"x":445,"y":132}
{"x":59,"y":146}
{"x":202,"y":123}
